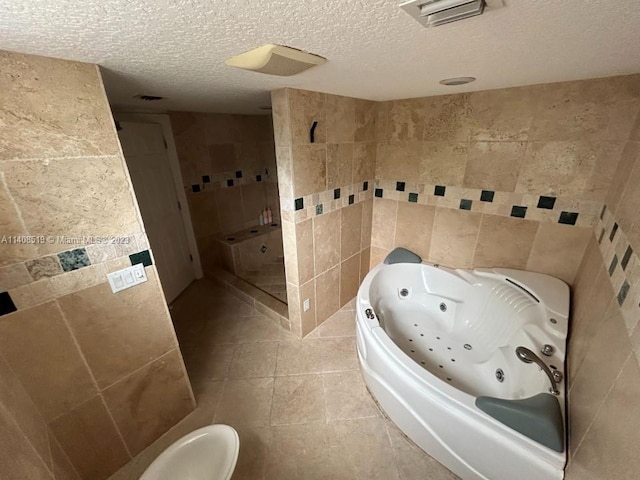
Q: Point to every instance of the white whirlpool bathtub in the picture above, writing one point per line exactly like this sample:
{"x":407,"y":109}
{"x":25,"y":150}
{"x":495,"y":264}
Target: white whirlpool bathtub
{"x":437,"y":348}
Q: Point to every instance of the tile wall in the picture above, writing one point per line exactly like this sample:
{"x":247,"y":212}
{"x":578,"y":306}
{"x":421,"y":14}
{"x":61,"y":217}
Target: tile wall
{"x":88,"y":378}
{"x":605,"y":342}
{"x":229,"y":171}
{"x":543,"y":178}
{"x":513,"y":177}
{"x":325,"y":146}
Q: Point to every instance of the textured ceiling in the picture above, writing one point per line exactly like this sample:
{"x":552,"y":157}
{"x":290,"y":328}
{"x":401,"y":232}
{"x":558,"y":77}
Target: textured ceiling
{"x":177,"y":48}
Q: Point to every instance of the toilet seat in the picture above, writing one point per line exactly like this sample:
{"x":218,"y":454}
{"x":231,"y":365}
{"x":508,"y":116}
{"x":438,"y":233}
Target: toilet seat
{"x":209,"y":453}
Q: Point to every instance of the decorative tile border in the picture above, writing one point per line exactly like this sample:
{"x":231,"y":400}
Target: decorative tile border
{"x":51,"y":276}
{"x":230,"y":179}
{"x":582,"y":213}
{"x":541,"y":208}
{"x":623,"y":266}
{"x":300,"y":209}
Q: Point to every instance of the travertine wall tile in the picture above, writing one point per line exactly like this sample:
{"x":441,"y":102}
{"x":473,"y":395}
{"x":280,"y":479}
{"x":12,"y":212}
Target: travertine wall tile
{"x":414,"y":227}
{"x":18,"y":405}
{"x":147,"y":403}
{"x":593,"y":381}
{"x":406,"y":119}
{"x":330,"y":182}
{"x":12,"y":226}
{"x":494,"y":165}
{"x":349,"y":279}
{"x":73,"y":206}
{"x":340,"y":159}
{"x":454,"y":237}
{"x":18,"y":456}
{"x":341,"y":113}
{"x":14,"y":276}
{"x":503,"y":114}
{"x":399,"y":161}
{"x":62,"y":175}
{"x":63,"y":469}
{"x":309,"y":169}
{"x":504,"y":242}
{"x":102,"y":329}
{"x":558,"y":250}
{"x":350,"y":230}
{"x":306,"y":107}
{"x":41,"y":351}
{"x":442,"y":163}
{"x":74,"y":122}
{"x":364,"y":161}
{"x":562,"y":168}
{"x":628,"y":158}
{"x":610,"y":447}
{"x":327,"y":294}
{"x":365,"y":121}
{"x":89,"y":437}
{"x":383,"y":224}
{"x":586,"y":325}
{"x":326,"y":240}
{"x":448,"y":118}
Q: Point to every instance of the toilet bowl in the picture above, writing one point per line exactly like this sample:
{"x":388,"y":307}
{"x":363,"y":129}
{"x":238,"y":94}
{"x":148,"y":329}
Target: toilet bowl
{"x":209,"y":453}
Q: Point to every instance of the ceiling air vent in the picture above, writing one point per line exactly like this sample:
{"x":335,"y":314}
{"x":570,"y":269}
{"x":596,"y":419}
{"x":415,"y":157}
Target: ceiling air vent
{"x":148,"y":98}
{"x":432,"y":13}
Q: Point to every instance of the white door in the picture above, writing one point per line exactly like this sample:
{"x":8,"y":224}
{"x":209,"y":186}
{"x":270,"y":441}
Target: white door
{"x":145,"y":151}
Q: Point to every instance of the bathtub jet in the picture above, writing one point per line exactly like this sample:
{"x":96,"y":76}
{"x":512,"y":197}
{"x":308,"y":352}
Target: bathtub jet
{"x":446,"y":353}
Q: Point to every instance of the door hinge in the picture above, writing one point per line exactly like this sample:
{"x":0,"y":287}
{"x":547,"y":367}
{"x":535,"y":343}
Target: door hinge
{"x":179,"y":206}
{"x":190,"y":258}
{"x":164,"y":140}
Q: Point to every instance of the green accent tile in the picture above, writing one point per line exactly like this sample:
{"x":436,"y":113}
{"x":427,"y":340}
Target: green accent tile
{"x":568,"y":218}
{"x":546,"y":202}
{"x":622,"y":294}
{"x":518,"y":211}
{"x":74,"y":259}
{"x":6,"y":304}
{"x":143,"y":257}
{"x":465,"y":204}
{"x":487,"y":195}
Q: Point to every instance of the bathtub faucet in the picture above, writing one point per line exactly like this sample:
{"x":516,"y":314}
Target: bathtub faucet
{"x":527,"y":356}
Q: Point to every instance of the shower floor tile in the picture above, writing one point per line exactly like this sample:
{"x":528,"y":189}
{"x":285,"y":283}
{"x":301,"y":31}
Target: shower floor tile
{"x":300,"y":406}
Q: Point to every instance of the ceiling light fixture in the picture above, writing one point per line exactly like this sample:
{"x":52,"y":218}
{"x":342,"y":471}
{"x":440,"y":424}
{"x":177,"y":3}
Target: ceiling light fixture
{"x":432,"y":13}
{"x":450,"y":82}
{"x":276,"y":60}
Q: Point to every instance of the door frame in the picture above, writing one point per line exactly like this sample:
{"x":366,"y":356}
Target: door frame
{"x":174,"y":164}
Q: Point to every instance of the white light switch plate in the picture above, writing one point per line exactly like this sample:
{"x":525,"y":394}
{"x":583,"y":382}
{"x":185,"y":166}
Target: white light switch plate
{"x":305,"y":305}
{"x":127,"y":277}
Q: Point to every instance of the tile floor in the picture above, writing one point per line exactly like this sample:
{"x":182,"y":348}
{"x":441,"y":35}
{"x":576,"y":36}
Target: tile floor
{"x":300,"y":406}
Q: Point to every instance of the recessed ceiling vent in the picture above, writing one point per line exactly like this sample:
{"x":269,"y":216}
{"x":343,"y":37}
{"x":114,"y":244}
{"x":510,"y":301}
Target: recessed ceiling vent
{"x":276,"y":60}
{"x":432,"y":13}
{"x":148,"y":98}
